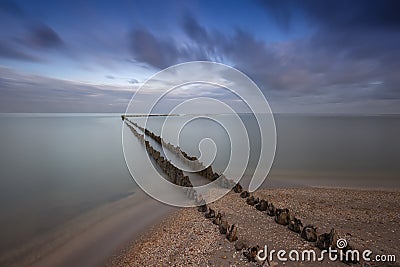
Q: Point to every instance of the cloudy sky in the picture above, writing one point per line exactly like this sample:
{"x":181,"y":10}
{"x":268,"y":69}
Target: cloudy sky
{"x":306,"y":56}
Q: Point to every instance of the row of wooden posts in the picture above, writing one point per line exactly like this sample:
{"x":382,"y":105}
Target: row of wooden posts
{"x":177,"y":176}
{"x":281,"y":216}
{"x":191,"y":161}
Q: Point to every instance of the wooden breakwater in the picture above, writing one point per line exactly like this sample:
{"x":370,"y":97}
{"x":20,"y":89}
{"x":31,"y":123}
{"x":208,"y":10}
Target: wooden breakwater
{"x":191,"y":161}
{"x":281,"y":216}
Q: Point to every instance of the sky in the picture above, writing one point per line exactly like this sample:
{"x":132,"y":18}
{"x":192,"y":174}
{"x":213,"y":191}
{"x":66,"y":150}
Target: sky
{"x":306,"y":56}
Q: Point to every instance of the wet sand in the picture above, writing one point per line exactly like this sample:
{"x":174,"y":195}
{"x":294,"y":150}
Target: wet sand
{"x":91,"y":238}
{"x":367,"y":219}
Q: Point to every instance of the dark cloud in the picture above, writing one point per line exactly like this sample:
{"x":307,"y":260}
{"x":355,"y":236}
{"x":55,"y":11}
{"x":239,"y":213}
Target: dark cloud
{"x":24,"y":36}
{"x":162,"y":53}
{"x":9,"y":52}
{"x":39,"y":37}
{"x":133,"y":81}
{"x":241,"y":48}
{"x":336,"y":14}
{"x":205,"y":44}
{"x":28,"y":93}
{"x":44,"y":37}
{"x":157,"y":53}
{"x":355,"y":14}
{"x":343,"y":50}
{"x":336,"y":65}
{"x":194,"y":30}
{"x":355,"y":47}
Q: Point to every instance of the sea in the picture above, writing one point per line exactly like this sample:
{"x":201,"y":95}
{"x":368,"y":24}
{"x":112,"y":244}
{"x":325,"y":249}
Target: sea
{"x":56,"y":167}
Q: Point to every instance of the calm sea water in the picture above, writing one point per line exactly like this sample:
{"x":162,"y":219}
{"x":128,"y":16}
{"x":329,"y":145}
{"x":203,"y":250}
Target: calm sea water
{"x":305,"y":143}
{"x":55,"y":167}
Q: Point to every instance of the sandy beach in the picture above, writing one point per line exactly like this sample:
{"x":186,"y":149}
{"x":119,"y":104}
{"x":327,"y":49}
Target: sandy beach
{"x":367,"y":219}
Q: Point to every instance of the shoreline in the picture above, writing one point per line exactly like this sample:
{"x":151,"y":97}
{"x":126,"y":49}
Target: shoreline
{"x":116,"y":234}
{"x":367,"y":218}
{"x":92,"y":237}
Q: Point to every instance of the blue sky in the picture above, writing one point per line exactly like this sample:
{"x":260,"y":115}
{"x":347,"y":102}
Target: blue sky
{"x":306,"y":56}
